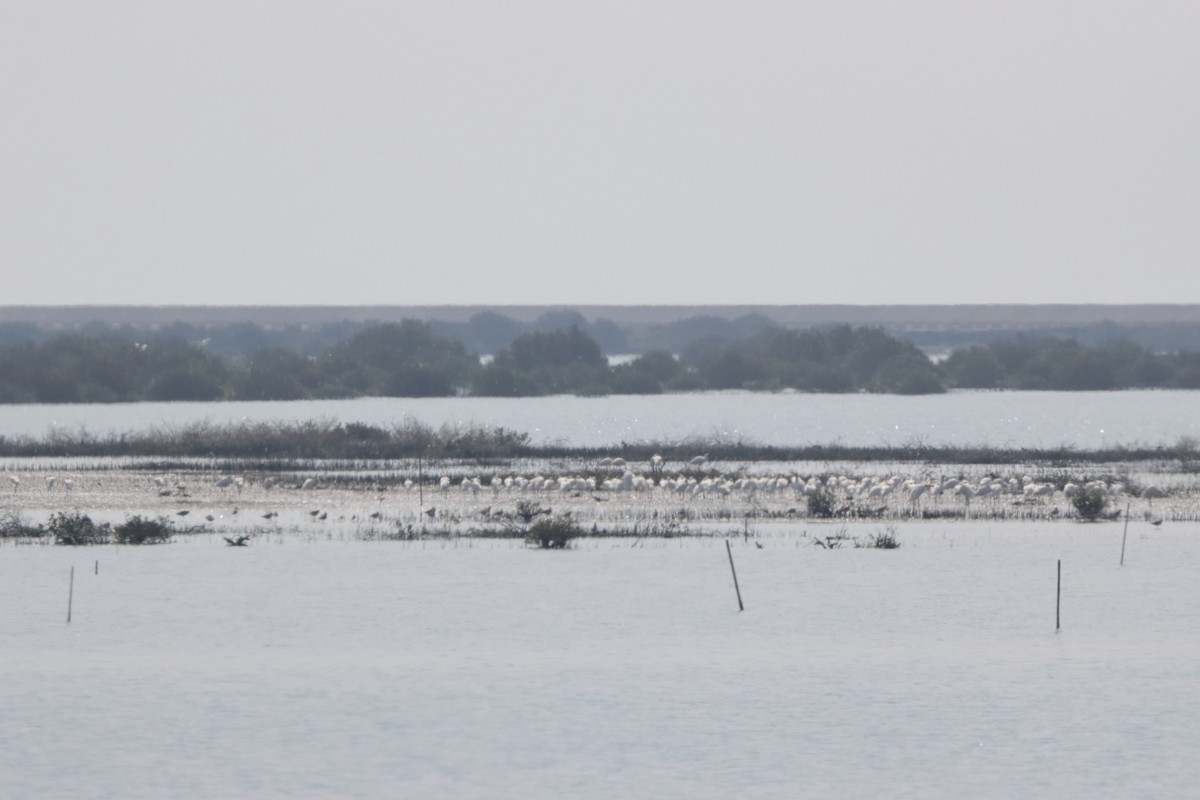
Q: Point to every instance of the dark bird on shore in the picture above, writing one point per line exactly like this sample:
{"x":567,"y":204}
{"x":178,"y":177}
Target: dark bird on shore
{"x":314,"y":512}
{"x":431,"y":512}
{"x":376,"y":515}
{"x":209,"y":517}
{"x":183,"y":513}
{"x":1156,"y":522}
{"x":270,"y":515}
{"x":240,"y":541}
{"x":758,"y":545}
{"x":323,"y":515}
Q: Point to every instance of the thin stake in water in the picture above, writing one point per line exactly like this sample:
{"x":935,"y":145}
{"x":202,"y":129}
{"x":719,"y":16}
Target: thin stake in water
{"x":729,"y":550}
{"x":1058,"y":600}
{"x":1124,"y":534}
{"x":70,"y":594}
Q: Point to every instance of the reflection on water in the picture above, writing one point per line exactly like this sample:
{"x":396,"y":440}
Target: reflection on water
{"x":1000,"y":419}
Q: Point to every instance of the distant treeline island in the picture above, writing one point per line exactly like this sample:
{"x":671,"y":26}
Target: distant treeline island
{"x":412,"y":359}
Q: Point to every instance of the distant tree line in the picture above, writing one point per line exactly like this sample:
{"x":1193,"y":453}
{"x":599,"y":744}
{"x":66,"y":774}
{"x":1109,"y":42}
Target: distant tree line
{"x":488,"y":332}
{"x":1027,"y":362}
{"x":410,"y":359}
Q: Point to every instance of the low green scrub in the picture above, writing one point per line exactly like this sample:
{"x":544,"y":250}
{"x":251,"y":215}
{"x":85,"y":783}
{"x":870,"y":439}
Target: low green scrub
{"x":78,"y":529}
{"x":14,"y":526}
{"x":324,"y":440}
{"x":553,"y":533}
{"x":141,"y":530}
{"x":1090,"y":504}
{"x":820,"y":504}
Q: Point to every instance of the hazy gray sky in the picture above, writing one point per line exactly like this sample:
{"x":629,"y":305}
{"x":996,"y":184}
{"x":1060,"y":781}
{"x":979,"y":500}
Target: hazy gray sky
{"x":615,"y":152}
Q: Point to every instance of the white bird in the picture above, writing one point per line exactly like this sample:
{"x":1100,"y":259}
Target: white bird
{"x":698,"y":461}
{"x":15,"y":481}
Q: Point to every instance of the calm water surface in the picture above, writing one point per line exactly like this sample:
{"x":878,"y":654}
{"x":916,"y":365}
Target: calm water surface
{"x":1002,"y":419}
{"x":326,"y":669}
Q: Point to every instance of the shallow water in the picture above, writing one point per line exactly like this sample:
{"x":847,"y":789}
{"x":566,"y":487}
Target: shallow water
{"x":482,"y":669}
{"x":1000,"y":419}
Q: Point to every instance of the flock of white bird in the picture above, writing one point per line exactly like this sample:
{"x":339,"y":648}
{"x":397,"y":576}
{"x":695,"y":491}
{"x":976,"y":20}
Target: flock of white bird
{"x":52,"y":482}
{"x":696,"y":480}
{"x":894,"y":488}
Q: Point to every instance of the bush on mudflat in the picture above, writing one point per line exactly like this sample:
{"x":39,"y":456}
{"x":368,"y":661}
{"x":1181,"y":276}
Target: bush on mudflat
{"x":553,"y":533}
{"x":141,"y":530}
{"x":1090,"y":504}
{"x":77,"y":529}
{"x":14,"y":526}
{"x":820,"y":504}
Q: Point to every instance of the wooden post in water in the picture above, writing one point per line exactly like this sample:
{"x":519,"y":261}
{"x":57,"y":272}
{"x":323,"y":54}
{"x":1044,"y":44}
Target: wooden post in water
{"x":70,"y":594}
{"x":1124,"y":534}
{"x":420,"y":484}
{"x":1058,"y":600}
{"x":729,"y":550}
{"x":97,"y":566}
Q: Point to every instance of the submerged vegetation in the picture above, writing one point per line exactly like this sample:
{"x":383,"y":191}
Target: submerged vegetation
{"x":412,"y":359}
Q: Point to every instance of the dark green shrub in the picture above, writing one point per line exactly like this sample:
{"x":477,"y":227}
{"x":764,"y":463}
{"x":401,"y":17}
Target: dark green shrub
{"x":527,"y":510}
{"x":820,"y":504}
{"x":553,"y":533}
{"x":77,"y":529}
{"x":1090,"y":504}
{"x":14,"y":526}
{"x":140,"y":530}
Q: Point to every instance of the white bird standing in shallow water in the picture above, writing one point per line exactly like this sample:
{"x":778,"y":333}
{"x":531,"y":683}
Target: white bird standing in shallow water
{"x":15,"y":481}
